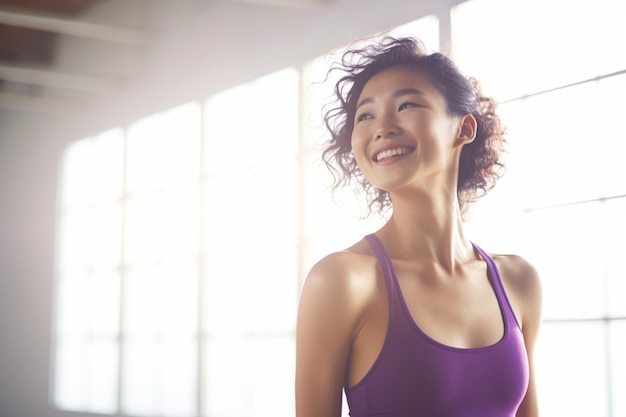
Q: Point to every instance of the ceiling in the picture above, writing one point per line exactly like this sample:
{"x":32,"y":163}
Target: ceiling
{"x":34,"y":71}
{"x":30,"y":36}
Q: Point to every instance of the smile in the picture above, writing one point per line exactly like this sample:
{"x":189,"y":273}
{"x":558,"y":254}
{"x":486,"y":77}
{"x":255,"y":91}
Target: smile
{"x":390,"y":153}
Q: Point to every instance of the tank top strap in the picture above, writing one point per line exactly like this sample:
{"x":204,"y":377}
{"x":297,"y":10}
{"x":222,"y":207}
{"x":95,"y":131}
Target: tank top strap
{"x":496,"y":281}
{"x":391,"y":282}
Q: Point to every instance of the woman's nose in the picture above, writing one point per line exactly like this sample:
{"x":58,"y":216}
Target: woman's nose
{"x":387,"y":127}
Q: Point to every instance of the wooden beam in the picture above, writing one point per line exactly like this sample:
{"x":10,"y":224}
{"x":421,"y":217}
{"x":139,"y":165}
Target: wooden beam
{"x":294,"y":4}
{"x":43,"y":104}
{"x":65,"y":26}
{"x":76,"y":82}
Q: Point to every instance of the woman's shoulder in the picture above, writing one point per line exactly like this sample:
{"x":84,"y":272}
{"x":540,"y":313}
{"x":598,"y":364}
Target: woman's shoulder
{"x":337,"y":293}
{"x":523,"y":285}
{"x":350,"y":272}
{"x":518,"y":272}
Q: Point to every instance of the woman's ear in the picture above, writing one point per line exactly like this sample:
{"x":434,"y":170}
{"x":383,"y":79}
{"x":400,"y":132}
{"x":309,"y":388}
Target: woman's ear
{"x":467,"y":130}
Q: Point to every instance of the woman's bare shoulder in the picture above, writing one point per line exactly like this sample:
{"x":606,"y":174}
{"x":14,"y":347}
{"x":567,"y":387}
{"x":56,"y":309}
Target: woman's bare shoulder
{"x":353,"y":263}
{"x":351,"y":272}
{"x":518,"y":273}
{"x":333,"y":300}
{"x":523,"y":285}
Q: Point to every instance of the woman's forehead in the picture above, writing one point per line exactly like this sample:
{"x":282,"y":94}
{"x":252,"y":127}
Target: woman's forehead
{"x":390,"y":80}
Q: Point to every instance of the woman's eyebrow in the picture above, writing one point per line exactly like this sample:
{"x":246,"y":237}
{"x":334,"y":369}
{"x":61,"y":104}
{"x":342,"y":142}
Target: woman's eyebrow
{"x":399,"y":93}
{"x":406,"y":92}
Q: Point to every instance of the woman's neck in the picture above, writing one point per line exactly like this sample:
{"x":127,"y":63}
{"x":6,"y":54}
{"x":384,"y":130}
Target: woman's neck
{"x":427,"y":228}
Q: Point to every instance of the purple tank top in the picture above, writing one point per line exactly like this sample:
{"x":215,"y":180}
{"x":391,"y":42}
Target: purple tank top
{"x":416,"y":376}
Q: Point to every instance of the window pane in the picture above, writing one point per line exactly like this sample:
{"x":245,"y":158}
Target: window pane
{"x":273,"y":376}
{"x":72,"y":298}
{"x":92,"y":169}
{"x":273,"y":290}
{"x":227,"y":225}
{"x":102,"y":377}
{"x":230,"y":296}
{"x":618,"y":367}
{"x":104,"y":304}
{"x":261,"y":209}
{"x":252,"y":123}
{"x":86,"y":375}
{"x":228,"y":390}
{"x":75,"y":168}
{"x":163,"y":149}
{"x":251,"y":292}
{"x":163,"y":225}
{"x":570,"y":264}
{"x":178,"y":390}
{"x":69,"y":376}
{"x":250,"y":377}
{"x":575,"y":47}
{"x":161,"y":301}
{"x":610,"y":134}
{"x":500,"y":231}
{"x":159,"y":379}
{"x":614,"y":248}
{"x":107,"y":165}
{"x":568,"y":385}
{"x":553,"y":160}
{"x":227,"y":294}
{"x":140,"y":381}
{"x":88,"y":305}
{"x":273,"y":203}
{"x":89,"y":238}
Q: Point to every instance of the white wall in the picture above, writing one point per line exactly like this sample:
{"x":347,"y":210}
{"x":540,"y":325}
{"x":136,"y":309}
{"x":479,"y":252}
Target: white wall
{"x":201,"y":47}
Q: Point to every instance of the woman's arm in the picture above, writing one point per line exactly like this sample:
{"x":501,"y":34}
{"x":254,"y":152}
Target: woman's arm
{"x":327,"y":318}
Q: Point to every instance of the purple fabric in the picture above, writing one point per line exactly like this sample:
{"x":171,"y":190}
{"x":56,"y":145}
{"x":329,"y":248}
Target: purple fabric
{"x":416,"y":376}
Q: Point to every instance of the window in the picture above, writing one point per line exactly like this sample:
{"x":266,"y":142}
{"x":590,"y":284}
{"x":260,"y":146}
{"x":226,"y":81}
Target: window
{"x":562,"y":200}
{"x":249,"y":248}
{"x":176,"y":260}
{"x":88,"y":290}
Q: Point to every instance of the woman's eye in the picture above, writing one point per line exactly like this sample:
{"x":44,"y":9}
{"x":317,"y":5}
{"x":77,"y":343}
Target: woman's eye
{"x":363,"y":116}
{"x":407,"y":105}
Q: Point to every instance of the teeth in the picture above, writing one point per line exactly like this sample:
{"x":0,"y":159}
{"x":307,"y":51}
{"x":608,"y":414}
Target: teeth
{"x":392,"y":152}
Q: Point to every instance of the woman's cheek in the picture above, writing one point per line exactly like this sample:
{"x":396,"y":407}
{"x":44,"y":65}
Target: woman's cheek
{"x":359,"y":151}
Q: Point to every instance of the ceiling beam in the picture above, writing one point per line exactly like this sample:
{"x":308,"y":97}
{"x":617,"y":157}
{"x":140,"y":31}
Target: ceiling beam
{"x":40,"y":104}
{"x":65,"y":26}
{"x":76,"y":82}
{"x":295,"y":4}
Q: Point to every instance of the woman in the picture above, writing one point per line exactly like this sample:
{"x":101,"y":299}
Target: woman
{"x":415,"y":320}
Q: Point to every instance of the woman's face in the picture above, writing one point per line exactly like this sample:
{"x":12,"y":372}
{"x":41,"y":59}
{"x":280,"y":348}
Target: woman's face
{"x":403,"y":134}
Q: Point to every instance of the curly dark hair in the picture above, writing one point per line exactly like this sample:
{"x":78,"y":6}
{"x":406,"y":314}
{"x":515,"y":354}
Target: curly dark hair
{"x":480,"y":163}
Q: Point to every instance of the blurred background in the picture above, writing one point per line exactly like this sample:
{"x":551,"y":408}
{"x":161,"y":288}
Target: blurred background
{"x":162,"y":197}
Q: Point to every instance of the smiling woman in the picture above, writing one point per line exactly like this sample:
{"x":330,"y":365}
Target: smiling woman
{"x":388,"y":123}
{"x":479,"y":165}
{"x":406,"y":320}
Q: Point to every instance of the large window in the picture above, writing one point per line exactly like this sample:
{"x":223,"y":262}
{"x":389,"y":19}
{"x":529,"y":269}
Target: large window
{"x":183,"y":238}
{"x":562,"y":201}
{"x":176,"y":260}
